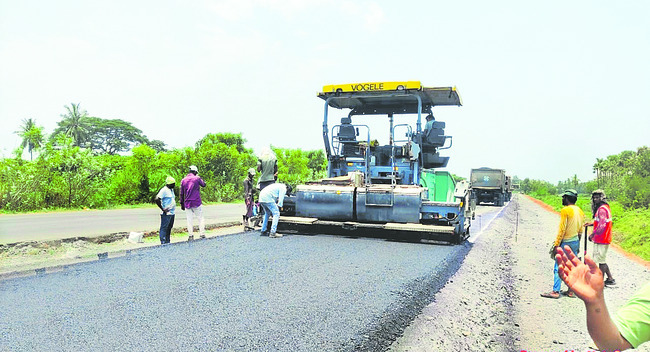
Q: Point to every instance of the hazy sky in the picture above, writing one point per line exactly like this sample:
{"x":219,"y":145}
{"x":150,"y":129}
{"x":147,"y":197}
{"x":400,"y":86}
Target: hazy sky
{"x":547,"y":86}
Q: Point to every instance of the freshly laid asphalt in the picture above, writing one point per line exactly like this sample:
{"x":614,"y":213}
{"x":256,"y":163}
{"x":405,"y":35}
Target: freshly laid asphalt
{"x":239,"y":292}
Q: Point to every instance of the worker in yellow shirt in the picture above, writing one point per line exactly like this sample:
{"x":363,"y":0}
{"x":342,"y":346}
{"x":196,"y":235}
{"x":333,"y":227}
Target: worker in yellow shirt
{"x":572,"y":220}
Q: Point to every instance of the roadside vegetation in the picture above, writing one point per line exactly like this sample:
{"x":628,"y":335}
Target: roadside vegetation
{"x":90,"y":162}
{"x":625,"y":178}
{"x":93,"y":163}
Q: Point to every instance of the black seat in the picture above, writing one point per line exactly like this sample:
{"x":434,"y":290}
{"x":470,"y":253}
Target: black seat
{"x":346,"y":130}
{"x":435,"y":135}
{"x":348,"y":137}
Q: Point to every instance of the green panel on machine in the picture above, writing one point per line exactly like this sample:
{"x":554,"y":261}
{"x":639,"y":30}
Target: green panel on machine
{"x":441,"y":185}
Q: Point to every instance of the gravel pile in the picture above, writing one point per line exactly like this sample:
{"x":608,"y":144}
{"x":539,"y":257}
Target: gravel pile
{"x":237,"y":292}
{"x":493,"y":302}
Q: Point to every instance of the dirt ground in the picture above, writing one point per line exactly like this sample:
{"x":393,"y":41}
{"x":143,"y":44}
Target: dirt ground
{"x":493,"y":302}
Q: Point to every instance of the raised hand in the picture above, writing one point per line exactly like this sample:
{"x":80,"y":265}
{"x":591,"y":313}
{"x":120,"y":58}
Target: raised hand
{"x":585,"y":279}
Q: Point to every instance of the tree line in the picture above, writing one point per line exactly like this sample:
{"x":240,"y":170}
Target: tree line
{"x":81,"y":165}
{"x":625,"y":178}
{"x":108,"y":136}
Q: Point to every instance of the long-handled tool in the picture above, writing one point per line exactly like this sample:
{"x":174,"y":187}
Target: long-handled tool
{"x":584,"y":255}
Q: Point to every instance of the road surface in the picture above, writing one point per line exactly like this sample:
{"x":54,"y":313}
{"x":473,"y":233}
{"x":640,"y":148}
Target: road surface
{"x":237,"y":292}
{"x":66,"y":224}
{"x":305,"y":293}
{"x":241,"y":292}
{"x":58,"y":225}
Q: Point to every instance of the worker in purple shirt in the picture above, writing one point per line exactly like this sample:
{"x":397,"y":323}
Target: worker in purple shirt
{"x":191,"y":201}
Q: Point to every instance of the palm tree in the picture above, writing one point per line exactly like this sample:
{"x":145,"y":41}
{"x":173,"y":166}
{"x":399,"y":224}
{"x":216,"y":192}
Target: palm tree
{"x":31,"y":134}
{"x":598,"y":168}
{"x":75,"y":124}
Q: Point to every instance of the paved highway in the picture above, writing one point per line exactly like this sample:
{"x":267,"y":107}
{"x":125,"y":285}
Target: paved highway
{"x":239,"y":292}
{"x":235,"y":292}
{"x":65,"y":224}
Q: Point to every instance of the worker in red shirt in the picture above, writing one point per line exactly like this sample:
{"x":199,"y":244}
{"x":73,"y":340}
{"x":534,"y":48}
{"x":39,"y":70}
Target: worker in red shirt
{"x":602,"y":235}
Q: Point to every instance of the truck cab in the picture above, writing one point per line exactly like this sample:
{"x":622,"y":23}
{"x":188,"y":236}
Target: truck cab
{"x":490,"y":185}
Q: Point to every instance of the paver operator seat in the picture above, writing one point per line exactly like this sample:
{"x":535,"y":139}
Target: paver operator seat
{"x":348,"y":137}
{"x":433,"y":137}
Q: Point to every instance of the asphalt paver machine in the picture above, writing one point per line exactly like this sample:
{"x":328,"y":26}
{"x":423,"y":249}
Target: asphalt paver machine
{"x":387,"y":191}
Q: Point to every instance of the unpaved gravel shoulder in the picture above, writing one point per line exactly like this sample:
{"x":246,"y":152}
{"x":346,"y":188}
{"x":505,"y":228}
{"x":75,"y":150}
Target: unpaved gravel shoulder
{"x":493,"y":302}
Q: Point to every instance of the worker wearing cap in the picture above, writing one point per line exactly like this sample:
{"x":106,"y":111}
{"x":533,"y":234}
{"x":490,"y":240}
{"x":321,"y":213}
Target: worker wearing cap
{"x":191,"y":201}
{"x":248,"y":198}
{"x":602,"y":234}
{"x":166,"y":201}
{"x":572,"y":220}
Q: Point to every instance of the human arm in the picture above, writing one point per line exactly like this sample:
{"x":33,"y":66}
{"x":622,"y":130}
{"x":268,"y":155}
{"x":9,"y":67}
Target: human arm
{"x":159,"y":204}
{"x":158,"y":199}
{"x":281,"y":195}
{"x":248,"y":189}
{"x":564,"y":218}
{"x":182,"y":191}
{"x":165,"y":199}
{"x":586,"y":280}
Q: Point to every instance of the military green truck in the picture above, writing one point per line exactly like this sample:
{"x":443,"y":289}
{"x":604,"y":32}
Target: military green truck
{"x":490,"y":186}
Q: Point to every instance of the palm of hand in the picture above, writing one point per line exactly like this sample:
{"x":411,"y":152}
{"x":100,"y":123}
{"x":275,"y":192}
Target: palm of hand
{"x":585,"y":281}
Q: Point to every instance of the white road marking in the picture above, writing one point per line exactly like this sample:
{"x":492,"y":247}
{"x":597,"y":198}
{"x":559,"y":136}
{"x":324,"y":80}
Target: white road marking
{"x":474,"y":237}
